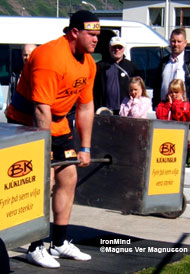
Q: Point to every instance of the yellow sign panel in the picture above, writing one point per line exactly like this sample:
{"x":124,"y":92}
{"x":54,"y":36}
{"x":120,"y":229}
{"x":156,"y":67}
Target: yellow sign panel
{"x":21,"y":183}
{"x":166,"y":161}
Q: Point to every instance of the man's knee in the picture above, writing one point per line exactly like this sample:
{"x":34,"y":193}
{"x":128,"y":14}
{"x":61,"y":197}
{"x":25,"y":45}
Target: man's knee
{"x":72,"y":181}
{"x":66,"y":177}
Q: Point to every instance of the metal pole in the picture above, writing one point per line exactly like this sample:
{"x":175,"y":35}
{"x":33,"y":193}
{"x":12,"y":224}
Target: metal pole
{"x":57,"y":8}
{"x":166,"y":19}
{"x":76,"y":162}
{"x":106,"y":4}
{"x":23,"y":9}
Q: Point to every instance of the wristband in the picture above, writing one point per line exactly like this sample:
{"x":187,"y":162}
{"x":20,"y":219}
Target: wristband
{"x":85,"y":149}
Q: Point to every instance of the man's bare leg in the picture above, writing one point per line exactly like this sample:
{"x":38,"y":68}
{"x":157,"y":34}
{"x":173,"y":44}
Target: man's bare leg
{"x":63,"y":194}
{"x":63,"y":197}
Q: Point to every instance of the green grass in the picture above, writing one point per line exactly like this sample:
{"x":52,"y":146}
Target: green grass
{"x":42,"y":8}
{"x":7,"y":7}
{"x":180,"y":267}
{"x":48,"y":8}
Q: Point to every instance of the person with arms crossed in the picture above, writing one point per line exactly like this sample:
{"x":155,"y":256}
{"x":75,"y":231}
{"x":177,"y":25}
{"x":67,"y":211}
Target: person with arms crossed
{"x":57,"y":75}
{"x":173,"y":66}
{"x":112,"y":77}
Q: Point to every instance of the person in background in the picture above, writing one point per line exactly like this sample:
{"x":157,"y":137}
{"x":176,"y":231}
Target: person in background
{"x":112,"y":77}
{"x":26,"y":51}
{"x":137,"y":104}
{"x":57,"y":75}
{"x":174,"y":107}
{"x":174,"y":66}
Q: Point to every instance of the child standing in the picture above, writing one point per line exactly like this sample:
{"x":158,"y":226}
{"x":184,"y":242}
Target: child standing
{"x":175,"y":107}
{"x":138,"y":103}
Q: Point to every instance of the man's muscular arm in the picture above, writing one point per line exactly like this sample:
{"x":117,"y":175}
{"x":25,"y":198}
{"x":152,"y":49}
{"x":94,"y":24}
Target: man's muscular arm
{"x":84,"y":123}
{"x":42,"y":116}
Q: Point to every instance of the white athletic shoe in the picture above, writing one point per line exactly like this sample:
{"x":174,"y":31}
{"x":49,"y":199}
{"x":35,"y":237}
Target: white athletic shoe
{"x":69,"y":250}
{"x":41,"y":257}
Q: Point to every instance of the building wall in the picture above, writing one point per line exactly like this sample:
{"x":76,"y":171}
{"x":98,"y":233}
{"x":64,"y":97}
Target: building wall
{"x":139,"y":11}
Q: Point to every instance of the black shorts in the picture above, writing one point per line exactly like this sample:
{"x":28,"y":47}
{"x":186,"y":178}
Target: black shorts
{"x":4,"y":258}
{"x":63,"y":148}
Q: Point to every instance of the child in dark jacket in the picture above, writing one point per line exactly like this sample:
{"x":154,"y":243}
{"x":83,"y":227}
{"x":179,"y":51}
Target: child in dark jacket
{"x":175,"y":107}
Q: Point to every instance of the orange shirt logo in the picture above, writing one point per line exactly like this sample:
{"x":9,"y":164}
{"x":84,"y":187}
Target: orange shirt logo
{"x":79,"y":83}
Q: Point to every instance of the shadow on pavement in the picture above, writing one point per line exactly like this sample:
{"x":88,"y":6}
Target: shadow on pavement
{"x":111,"y":253}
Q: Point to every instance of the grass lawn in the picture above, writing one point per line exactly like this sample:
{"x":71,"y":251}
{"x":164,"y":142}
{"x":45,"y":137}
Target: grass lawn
{"x":180,"y":267}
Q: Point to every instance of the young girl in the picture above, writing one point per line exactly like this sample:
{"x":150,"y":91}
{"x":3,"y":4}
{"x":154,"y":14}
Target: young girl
{"x":175,"y":107}
{"x":139,"y":103}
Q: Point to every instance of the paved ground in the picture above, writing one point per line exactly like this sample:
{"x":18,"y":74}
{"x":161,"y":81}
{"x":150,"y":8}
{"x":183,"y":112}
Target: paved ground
{"x":142,"y":241}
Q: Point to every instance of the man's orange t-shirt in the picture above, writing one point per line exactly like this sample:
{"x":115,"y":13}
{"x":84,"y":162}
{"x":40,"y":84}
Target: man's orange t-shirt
{"x":54,"y":77}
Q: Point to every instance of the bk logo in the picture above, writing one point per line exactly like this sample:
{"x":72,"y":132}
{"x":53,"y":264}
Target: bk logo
{"x":79,"y":83}
{"x":167,"y":149}
{"x":20,"y":168}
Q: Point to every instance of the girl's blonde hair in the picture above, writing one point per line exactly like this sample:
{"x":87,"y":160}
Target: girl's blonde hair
{"x":138,"y":80}
{"x":177,"y":85}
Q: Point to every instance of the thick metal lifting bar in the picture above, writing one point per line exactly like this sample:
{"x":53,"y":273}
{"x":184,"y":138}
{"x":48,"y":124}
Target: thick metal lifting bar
{"x":76,"y":162}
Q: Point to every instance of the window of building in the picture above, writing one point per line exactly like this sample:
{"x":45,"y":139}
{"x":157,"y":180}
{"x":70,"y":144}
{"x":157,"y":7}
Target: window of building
{"x":182,"y":16}
{"x":156,"y":17}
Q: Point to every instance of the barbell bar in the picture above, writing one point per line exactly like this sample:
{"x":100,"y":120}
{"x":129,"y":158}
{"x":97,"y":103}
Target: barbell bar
{"x":76,"y":162}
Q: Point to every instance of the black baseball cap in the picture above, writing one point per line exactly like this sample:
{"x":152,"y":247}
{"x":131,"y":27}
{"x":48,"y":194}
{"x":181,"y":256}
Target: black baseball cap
{"x":83,"y":20}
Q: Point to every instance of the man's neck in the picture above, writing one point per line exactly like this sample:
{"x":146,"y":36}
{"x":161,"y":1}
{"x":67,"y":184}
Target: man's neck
{"x":175,"y":56}
{"x":78,"y":55}
{"x":119,"y":60}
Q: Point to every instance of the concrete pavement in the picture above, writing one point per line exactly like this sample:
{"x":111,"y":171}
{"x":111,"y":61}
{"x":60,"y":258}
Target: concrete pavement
{"x":147,"y":227}
{"x":140,"y":242}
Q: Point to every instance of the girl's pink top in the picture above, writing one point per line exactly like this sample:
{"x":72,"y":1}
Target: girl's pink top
{"x":136,"y":108}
